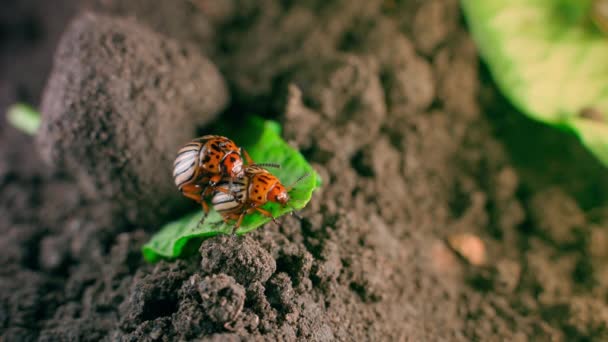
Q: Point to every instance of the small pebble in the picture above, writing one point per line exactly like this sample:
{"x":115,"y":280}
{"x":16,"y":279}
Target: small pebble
{"x":470,"y":247}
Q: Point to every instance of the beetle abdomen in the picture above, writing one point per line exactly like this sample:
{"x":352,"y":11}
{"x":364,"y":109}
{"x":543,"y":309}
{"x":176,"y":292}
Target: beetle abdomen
{"x":229,"y":202}
{"x":186,"y":163}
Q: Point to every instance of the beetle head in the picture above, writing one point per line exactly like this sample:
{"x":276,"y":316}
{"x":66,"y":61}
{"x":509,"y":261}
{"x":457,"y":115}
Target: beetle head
{"x":278,"y":194}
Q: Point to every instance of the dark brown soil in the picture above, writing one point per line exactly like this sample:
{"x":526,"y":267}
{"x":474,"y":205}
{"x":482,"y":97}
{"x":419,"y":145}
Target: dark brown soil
{"x":385,"y":98}
{"x":126,"y":95}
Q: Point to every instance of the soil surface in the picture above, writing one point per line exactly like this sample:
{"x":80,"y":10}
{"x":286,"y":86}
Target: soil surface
{"x":389,"y":102}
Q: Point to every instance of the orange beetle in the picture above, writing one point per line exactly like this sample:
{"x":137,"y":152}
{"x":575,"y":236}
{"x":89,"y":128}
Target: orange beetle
{"x":203,"y":162}
{"x":233,"y":200}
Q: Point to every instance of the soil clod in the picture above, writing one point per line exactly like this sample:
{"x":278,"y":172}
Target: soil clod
{"x":120,"y":101}
{"x":240,"y":257}
{"x":222,"y":298}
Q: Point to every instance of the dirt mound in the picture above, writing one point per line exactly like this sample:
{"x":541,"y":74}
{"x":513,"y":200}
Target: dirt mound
{"x":180,"y":20}
{"x":383,"y":97}
{"x":125,"y":95}
{"x":243,"y":259}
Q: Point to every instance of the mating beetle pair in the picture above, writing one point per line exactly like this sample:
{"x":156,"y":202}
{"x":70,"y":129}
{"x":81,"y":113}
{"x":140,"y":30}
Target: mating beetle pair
{"x":212,"y":167}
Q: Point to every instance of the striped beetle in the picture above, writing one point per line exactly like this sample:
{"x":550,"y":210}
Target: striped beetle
{"x":233,"y":200}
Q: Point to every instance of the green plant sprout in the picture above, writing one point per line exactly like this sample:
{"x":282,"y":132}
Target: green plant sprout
{"x":24,"y":118}
{"x":549,"y":60}
{"x":263,"y":142}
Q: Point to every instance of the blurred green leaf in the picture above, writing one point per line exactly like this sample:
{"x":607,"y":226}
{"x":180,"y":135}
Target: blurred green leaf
{"x":24,"y":118}
{"x":263,"y":142}
{"x":548,"y":58}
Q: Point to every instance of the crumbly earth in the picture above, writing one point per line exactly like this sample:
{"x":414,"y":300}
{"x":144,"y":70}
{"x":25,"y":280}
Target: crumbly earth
{"x":414,"y":145}
{"x":126,"y":95}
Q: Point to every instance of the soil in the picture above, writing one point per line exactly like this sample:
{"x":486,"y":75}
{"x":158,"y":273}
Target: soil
{"x":389,"y":102}
{"x":101,"y":66}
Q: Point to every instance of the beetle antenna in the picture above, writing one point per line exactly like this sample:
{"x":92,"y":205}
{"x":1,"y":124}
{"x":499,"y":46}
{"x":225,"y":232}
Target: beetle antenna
{"x":302,"y":177}
{"x":273,"y":165}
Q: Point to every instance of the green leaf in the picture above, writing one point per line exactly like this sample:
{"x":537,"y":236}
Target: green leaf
{"x":548,"y":58}
{"x":263,"y":142}
{"x":24,"y":118}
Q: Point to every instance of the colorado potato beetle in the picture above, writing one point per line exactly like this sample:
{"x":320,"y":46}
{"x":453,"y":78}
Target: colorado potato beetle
{"x":246,"y":195}
{"x":205,"y":161}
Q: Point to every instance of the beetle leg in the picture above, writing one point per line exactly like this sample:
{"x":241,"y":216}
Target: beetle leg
{"x":210,"y":190}
{"x":207,"y":190}
{"x":205,"y":212}
{"x":267,"y":214}
{"x":226,"y":191}
{"x":192,"y":191}
{"x":228,"y":218}
{"x":238,"y":222}
{"x":222,"y":189}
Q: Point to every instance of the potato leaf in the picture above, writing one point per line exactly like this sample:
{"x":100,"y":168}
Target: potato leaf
{"x":549,"y":60}
{"x":263,"y":142}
